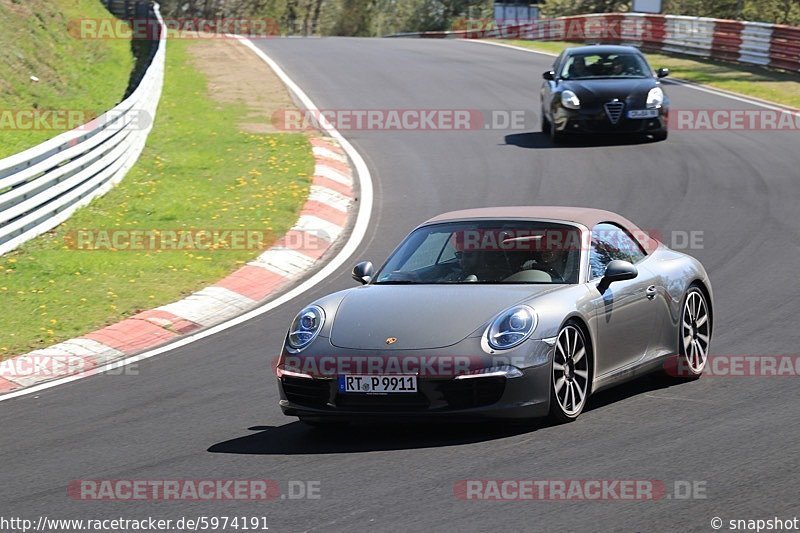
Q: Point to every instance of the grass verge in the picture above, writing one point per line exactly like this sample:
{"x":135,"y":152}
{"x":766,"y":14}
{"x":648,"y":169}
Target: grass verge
{"x":199,"y":170}
{"x":771,"y":85}
{"x":84,"y":75}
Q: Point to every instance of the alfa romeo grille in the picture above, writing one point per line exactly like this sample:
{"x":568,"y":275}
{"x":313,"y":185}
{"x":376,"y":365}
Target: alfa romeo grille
{"x":614,"y":110}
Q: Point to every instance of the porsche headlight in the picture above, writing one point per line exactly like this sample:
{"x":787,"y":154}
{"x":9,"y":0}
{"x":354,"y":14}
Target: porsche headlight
{"x":511,"y":327}
{"x":655,"y":97}
{"x":570,"y":100}
{"x":305,"y":327}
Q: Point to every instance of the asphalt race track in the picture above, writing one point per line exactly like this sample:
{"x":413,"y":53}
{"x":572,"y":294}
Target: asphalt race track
{"x":209,"y":410}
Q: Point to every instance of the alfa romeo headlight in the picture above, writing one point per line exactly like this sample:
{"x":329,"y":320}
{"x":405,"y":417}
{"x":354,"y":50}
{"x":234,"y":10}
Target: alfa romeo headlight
{"x":655,"y":97}
{"x":306,"y":326}
{"x":511,"y":327}
{"x":570,"y":100}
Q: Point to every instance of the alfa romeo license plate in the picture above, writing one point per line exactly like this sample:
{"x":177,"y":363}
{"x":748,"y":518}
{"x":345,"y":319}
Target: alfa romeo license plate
{"x":643,"y":113}
{"x":378,"y":384}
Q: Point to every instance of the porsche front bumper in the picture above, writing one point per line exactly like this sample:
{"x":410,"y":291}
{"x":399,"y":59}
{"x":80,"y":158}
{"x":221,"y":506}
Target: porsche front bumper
{"x":520,"y":391}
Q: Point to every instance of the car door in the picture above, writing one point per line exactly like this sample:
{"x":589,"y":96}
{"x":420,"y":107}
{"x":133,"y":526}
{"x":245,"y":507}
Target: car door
{"x":624,"y":312}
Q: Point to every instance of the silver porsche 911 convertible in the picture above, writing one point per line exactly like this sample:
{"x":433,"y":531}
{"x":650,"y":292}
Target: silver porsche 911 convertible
{"x":509,"y":312}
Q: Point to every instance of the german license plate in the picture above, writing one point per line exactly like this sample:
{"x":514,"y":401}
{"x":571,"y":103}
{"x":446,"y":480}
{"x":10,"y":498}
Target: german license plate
{"x":378,"y":384}
{"x":643,"y":113}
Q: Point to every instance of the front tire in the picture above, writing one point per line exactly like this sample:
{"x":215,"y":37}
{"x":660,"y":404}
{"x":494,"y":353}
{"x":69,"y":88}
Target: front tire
{"x":660,"y":135}
{"x":694,"y":336}
{"x":556,"y":137}
{"x":570,"y":383}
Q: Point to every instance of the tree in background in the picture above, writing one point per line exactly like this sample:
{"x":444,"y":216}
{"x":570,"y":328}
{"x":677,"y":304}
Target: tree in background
{"x":384,"y":17}
{"x":563,"y":8}
{"x":338,"y":17}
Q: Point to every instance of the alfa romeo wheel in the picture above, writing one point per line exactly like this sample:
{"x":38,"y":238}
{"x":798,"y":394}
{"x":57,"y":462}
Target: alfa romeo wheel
{"x":556,"y":137}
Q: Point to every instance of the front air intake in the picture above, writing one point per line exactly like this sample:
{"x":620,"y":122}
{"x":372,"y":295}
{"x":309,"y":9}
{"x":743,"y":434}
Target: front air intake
{"x":614,"y":110}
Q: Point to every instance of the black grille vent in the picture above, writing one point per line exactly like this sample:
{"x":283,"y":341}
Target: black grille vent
{"x":308,"y":392}
{"x":473,"y":392}
{"x":614,"y":110}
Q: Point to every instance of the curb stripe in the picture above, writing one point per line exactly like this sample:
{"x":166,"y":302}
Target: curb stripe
{"x":323,"y":228}
{"x":254,"y":282}
{"x":328,"y":172}
{"x":286,"y":262}
{"x":328,"y":183}
{"x":167,"y":320}
{"x":338,"y":166}
{"x":325,"y":212}
{"x":208,"y":306}
{"x":131,"y":335}
{"x":324,"y":152}
{"x":304,"y":242}
{"x":330,"y":198}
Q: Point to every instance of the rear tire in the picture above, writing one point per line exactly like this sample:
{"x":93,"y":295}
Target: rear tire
{"x":571,"y":371}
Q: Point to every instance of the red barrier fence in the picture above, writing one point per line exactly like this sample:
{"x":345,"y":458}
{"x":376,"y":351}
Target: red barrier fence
{"x":757,"y":43}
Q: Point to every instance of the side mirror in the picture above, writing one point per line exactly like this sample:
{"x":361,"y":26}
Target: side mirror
{"x":662,"y":72}
{"x":363,"y":272}
{"x":617,"y":270}
{"x":549,"y":75}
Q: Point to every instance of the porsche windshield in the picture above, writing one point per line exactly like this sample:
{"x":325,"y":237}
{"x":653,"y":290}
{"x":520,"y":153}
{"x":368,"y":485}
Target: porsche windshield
{"x":588,"y":66}
{"x":486,"y":252}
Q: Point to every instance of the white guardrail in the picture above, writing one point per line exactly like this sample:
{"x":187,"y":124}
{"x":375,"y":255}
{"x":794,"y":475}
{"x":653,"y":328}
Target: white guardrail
{"x":42,"y":186}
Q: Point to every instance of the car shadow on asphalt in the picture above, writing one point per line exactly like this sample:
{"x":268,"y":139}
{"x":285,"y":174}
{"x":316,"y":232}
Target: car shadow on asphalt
{"x":540,"y":140}
{"x":297,"y":438}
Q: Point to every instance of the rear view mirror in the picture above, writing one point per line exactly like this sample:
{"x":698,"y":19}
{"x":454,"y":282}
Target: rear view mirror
{"x":617,"y":270}
{"x":363,"y":272}
{"x":662,"y":72}
{"x":549,"y":75}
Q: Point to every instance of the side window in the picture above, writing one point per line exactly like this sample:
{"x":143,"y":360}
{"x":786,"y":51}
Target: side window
{"x":610,"y":242}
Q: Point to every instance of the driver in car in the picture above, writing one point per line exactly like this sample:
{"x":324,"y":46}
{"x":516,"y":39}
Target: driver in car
{"x":546,"y":260}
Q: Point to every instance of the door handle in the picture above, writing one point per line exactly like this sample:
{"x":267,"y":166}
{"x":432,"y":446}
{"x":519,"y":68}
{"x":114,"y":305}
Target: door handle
{"x":651,"y":292}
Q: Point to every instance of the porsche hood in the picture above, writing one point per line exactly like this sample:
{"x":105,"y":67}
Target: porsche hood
{"x":421,"y":316}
